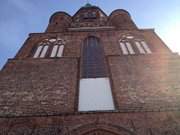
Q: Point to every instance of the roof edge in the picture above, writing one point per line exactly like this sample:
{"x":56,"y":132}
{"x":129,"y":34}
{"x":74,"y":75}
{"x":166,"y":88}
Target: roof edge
{"x":58,"y":12}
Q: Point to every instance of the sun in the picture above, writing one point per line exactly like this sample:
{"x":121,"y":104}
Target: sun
{"x":172,"y":37}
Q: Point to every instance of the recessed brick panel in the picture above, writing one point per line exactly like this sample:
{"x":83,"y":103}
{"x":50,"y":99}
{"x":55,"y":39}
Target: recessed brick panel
{"x":141,"y":83}
{"x":38,"y":87}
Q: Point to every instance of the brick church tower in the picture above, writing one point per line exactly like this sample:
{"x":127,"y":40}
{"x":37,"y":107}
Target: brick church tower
{"x":91,"y":74}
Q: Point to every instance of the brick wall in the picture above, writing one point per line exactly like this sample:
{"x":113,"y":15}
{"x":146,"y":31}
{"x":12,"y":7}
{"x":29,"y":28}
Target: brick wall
{"x":142,"y":83}
{"x":149,"y":123}
{"x":40,"y":96}
{"x":38,"y":87}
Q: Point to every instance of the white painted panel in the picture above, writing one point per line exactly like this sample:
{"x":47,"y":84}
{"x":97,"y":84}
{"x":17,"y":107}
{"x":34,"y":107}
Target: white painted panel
{"x":141,"y":50}
{"x":123,"y":48}
{"x":43,"y":53}
{"x":54,"y":51}
{"x":146,"y":47}
{"x":60,"y":51}
{"x":37,"y":52}
{"x":131,"y":51}
{"x":95,"y":94}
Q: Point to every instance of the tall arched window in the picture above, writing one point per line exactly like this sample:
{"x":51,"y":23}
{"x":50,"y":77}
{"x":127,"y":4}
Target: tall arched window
{"x":93,"y":64}
{"x":95,"y":90}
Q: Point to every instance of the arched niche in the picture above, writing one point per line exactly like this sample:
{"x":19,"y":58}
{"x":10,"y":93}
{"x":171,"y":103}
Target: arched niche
{"x":100,"y":132}
{"x":101,"y":129}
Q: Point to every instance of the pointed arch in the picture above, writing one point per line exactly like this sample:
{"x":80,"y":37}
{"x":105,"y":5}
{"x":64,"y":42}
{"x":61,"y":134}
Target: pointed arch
{"x":131,"y":44}
{"x":100,"y":132}
{"x":102,"y":129}
{"x":49,"y":47}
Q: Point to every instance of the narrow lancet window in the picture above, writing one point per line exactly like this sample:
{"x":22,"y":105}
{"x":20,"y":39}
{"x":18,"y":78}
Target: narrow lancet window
{"x":54,"y":51}
{"x":60,"y":51}
{"x":38,"y":51}
{"x":146,"y":47}
{"x":140,"y":48}
{"x":57,"y":51}
{"x":123,"y":48}
{"x":131,"y":51}
{"x":44,"y":51}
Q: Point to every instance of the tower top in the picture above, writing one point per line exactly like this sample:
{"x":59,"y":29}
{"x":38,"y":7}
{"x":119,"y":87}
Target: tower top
{"x":88,"y":5}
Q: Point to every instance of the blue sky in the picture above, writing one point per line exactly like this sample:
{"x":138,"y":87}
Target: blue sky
{"x":18,"y":18}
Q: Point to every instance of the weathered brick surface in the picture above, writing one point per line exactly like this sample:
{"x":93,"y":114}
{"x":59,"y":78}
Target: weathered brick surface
{"x":142,"y":83}
{"x":38,"y":87}
{"x":155,"y":123}
{"x":40,"y":96}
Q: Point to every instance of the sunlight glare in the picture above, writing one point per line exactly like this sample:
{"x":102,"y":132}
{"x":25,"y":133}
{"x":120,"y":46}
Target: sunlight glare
{"x":172,"y":37}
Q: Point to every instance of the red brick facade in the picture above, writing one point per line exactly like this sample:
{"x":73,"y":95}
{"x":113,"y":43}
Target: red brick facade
{"x":39,"y":96}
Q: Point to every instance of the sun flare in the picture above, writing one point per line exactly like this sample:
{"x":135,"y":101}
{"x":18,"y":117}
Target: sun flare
{"x":172,"y":37}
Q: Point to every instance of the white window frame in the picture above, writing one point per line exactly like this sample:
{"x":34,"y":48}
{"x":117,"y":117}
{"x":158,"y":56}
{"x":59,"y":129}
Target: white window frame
{"x":54,"y":51}
{"x":146,"y":47}
{"x":57,"y":51}
{"x":60,"y":51}
{"x":38,"y":51}
{"x":129,"y":47}
{"x":44,"y":51}
{"x":123,"y":48}
{"x":140,"y":48}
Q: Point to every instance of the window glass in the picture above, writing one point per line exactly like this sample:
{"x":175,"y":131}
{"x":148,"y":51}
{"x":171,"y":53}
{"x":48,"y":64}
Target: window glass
{"x":44,"y":51}
{"x":60,"y":51}
{"x":37,"y":53}
{"x":93,"y":59}
{"x":123,"y":48}
{"x":130,"y":44}
{"x":146,"y":47}
{"x":54,"y":51}
{"x":130,"y":49}
{"x":44,"y":48}
{"x":140,"y":48}
{"x":95,"y":89}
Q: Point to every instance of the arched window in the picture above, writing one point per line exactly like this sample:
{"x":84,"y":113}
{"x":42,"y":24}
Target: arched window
{"x":93,"y":64}
{"x":131,"y":45}
{"x":95,"y":90}
{"x":49,"y":48}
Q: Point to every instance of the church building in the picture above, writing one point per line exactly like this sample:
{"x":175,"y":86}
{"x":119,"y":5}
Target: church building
{"x":91,"y":74}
